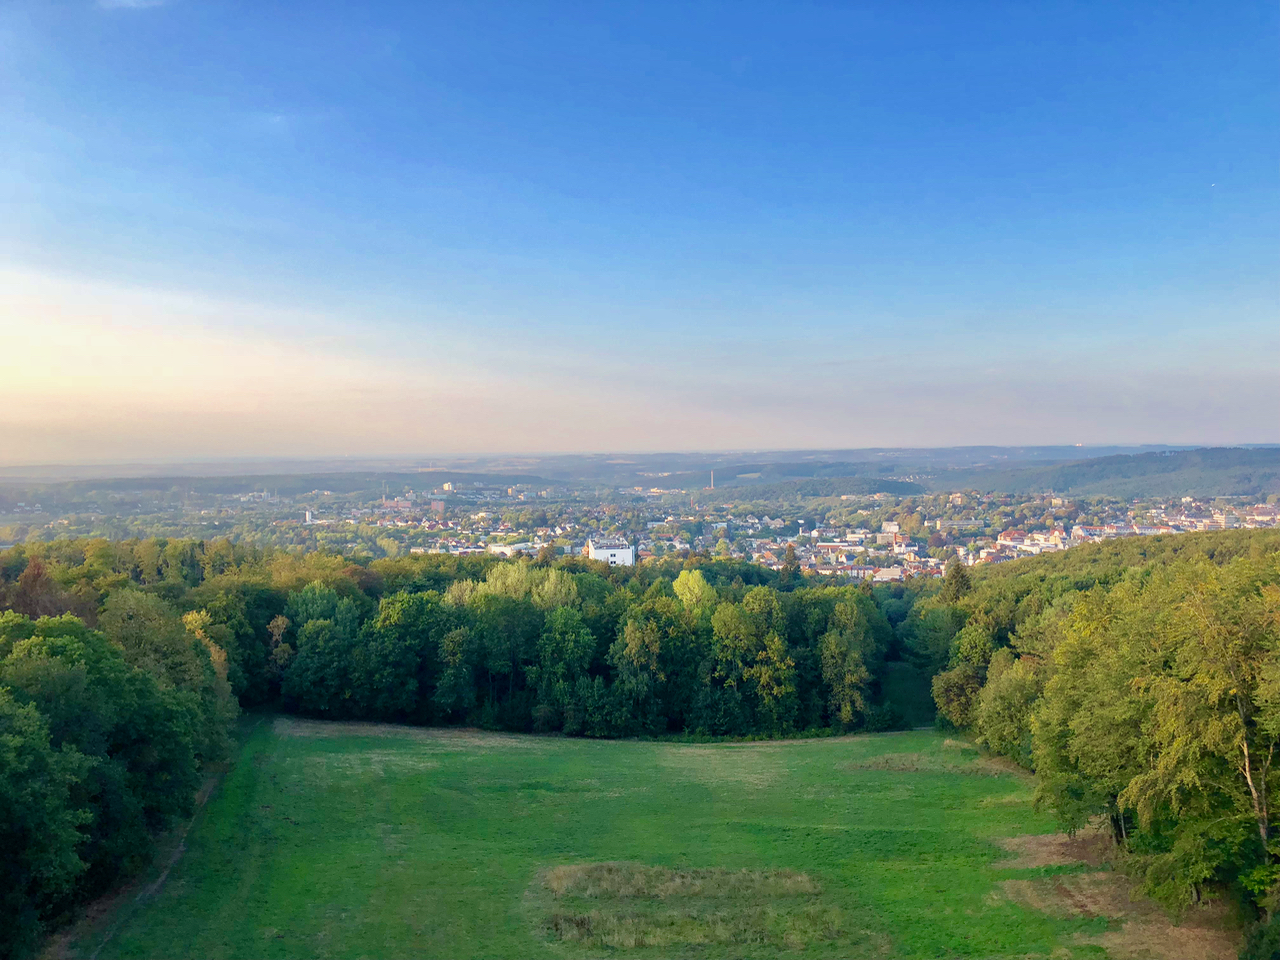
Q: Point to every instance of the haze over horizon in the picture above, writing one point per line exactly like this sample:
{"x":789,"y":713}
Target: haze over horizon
{"x":314,"y":232}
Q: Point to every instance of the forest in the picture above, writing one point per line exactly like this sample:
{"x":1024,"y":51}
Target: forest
{"x":1138,"y":678}
{"x":1210,"y":471}
{"x":1140,"y":681}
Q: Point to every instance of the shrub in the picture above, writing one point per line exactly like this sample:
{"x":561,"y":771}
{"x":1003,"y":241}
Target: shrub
{"x":1263,"y":941}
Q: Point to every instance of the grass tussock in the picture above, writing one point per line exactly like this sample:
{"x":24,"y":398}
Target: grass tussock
{"x":635,"y":881}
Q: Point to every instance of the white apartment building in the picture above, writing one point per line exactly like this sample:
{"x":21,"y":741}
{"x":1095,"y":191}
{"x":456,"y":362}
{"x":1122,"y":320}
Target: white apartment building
{"x":613,"y":552}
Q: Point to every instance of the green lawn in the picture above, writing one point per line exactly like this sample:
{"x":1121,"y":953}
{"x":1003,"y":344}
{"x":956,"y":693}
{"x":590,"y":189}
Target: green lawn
{"x":333,"y":840}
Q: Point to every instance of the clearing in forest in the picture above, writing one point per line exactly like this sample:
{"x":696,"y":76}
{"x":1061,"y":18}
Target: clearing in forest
{"x":362,"y":840}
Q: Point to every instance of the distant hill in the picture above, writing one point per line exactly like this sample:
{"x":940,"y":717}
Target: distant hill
{"x":824,"y":487}
{"x":1207,"y":472}
{"x":285,"y":484}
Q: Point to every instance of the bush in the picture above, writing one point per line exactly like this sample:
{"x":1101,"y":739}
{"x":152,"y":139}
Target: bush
{"x":883,"y":717}
{"x":1263,"y":941}
{"x":956,"y":691}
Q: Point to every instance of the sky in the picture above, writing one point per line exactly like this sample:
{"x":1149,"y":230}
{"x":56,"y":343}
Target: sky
{"x":296,"y":229}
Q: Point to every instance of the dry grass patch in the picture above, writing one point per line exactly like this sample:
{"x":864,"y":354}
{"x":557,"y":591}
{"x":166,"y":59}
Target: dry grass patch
{"x":292,"y":727}
{"x":1001,"y":766}
{"x":1147,"y":932}
{"x":1092,"y":847}
{"x":791,"y":930}
{"x":1143,"y":940}
{"x":909,"y":763}
{"x":632,"y":881}
{"x":956,"y":760}
{"x":1077,"y":895}
{"x":614,"y":906}
{"x":1008,"y":800}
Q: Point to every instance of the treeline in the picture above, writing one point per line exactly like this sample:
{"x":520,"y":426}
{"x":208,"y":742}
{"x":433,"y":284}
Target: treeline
{"x":122,"y":665}
{"x":789,"y":490}
{"x":694,"y":645}
{"x":1206,"y":472}
{"x":1140,"y":680}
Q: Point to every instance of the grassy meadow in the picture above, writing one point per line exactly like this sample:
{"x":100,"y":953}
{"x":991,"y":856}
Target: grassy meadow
{"x":352,"y":840}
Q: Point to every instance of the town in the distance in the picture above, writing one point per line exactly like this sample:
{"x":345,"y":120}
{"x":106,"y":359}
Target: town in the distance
{"x":882,"y":516}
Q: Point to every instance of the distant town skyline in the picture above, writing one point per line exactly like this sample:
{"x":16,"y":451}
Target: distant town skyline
{"x":540,"y":227}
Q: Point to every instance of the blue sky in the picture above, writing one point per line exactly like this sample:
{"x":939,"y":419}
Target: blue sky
{"x":434,"y":228}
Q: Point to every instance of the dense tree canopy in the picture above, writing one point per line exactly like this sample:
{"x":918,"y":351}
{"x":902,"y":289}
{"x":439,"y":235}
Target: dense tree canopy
{"x":1140,"y":679}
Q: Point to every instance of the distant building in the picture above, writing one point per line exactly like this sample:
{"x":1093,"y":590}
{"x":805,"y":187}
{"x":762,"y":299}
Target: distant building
{"x":616,"y":553}
{"x":1083,"y":532}
{"x":509,"y":549}
{"x":957,"y":524}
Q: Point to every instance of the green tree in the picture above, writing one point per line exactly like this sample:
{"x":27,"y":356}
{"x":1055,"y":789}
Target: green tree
{"x":318,"y":680}
{"x":789,"y":575}
{"x":138,"y":737}
{"x":459,"y":655}
{"x":565,"y":650}
{"x":1161,"y":705}
{"x":694,"y":592}
{"x":844,"y":668}
{"x":956,"y":584}
{"x":750,"y":655}
{"x":1005,"y":706}
{"x":39,"y":827}
{"x":155,"y":639}
{"x":955,"y":692}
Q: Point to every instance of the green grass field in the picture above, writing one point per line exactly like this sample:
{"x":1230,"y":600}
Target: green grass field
{"x":346,"y":840}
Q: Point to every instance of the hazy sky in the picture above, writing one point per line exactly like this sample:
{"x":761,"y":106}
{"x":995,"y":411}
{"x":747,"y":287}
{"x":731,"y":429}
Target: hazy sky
{"x":299,"y":229}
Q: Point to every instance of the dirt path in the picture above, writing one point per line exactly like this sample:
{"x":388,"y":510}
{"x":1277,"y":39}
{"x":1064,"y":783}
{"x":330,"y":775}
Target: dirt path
{"x":118,"y":904}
